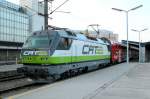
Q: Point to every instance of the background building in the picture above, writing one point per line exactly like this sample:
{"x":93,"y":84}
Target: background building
{"x":103,"y":33}
{"x":109,"y":35}
{"x":14,"y":29}
{"x":14,"y":22}
{"x":35,"y":10}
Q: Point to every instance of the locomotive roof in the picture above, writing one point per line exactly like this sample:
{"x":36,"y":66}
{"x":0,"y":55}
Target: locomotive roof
{"x":69,"y":34}
{"x":78,"y":35}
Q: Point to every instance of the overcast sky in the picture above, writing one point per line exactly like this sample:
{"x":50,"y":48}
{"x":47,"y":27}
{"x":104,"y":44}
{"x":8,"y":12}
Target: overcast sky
{"x":85,"y":12}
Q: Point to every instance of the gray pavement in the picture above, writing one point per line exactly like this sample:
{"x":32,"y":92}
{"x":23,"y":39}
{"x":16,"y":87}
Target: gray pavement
{"x":89,"y":85}
{"x":133,"y":85}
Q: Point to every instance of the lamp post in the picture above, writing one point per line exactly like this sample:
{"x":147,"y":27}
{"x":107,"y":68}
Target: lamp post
{"x":139,"y":31}
{"x":127,"y":11}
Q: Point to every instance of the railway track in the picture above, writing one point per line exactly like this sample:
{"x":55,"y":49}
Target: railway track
{"x":2,"y":79}
{"x":11,"y":83}
{"x":14,"y":81}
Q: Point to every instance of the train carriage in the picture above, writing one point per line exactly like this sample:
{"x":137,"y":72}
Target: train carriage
{"x":118,"y":53}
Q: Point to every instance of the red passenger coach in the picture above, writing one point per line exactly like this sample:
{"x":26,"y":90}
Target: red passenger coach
{"x":118,"y":53}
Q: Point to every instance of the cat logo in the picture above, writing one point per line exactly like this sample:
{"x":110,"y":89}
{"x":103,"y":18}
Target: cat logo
{"x":89,"y":49}
{"x":35,"y":53}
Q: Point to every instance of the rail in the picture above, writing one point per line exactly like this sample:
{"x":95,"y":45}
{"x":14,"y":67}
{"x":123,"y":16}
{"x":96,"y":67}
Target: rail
{"x":11,"y":80}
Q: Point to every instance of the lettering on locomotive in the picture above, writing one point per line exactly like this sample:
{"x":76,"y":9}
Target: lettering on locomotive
{"x":90,"y":49}
{"x":35,"y":53}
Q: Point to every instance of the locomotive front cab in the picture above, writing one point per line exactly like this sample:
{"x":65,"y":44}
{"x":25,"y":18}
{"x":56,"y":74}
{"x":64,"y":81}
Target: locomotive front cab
{"x":39,"y":47}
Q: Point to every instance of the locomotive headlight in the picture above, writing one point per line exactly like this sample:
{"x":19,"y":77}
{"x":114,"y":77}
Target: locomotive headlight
{"x":44,"y":58}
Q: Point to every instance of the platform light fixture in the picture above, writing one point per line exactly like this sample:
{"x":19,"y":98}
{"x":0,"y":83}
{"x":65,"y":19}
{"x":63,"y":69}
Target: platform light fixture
{"x":127,"y":11}
{"x":139,"y":31}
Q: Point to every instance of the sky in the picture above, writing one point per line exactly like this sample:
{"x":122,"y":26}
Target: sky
{"x":85,"y":12}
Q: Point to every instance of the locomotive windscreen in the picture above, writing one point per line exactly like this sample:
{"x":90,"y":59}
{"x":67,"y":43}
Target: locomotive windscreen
{"x":37,"y":42}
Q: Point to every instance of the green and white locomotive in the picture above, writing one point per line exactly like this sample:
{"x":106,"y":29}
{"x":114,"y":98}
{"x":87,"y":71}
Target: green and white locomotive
{"x":53,"y":54}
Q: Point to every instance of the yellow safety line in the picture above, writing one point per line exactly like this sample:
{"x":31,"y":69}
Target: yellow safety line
{"x":0,"y":97}
{"x":10,"y":97}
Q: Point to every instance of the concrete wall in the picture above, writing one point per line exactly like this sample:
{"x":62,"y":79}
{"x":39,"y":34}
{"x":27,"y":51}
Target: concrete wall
{"x":147,"y":55}
{"x":142,"y":54}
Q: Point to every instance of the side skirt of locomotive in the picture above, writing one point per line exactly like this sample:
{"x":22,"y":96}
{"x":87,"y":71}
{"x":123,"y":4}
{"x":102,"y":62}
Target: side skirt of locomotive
{"x":47,"y":73}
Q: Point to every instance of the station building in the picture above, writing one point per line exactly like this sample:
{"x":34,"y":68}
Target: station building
{"x":14,"y":29}
{"x":17,"y":22}
{"x":35,"y":10}
{"x":143,"y":51}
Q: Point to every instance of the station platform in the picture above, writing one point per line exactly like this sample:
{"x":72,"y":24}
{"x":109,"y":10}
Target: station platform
{"x":135,"y":84}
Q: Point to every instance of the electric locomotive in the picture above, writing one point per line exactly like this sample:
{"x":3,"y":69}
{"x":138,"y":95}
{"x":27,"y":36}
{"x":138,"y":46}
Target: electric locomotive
{"x":53,"y":54}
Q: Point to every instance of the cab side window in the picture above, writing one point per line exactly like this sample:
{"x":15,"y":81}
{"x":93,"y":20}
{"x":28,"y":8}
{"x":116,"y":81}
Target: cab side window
{"x":64,"y":44}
